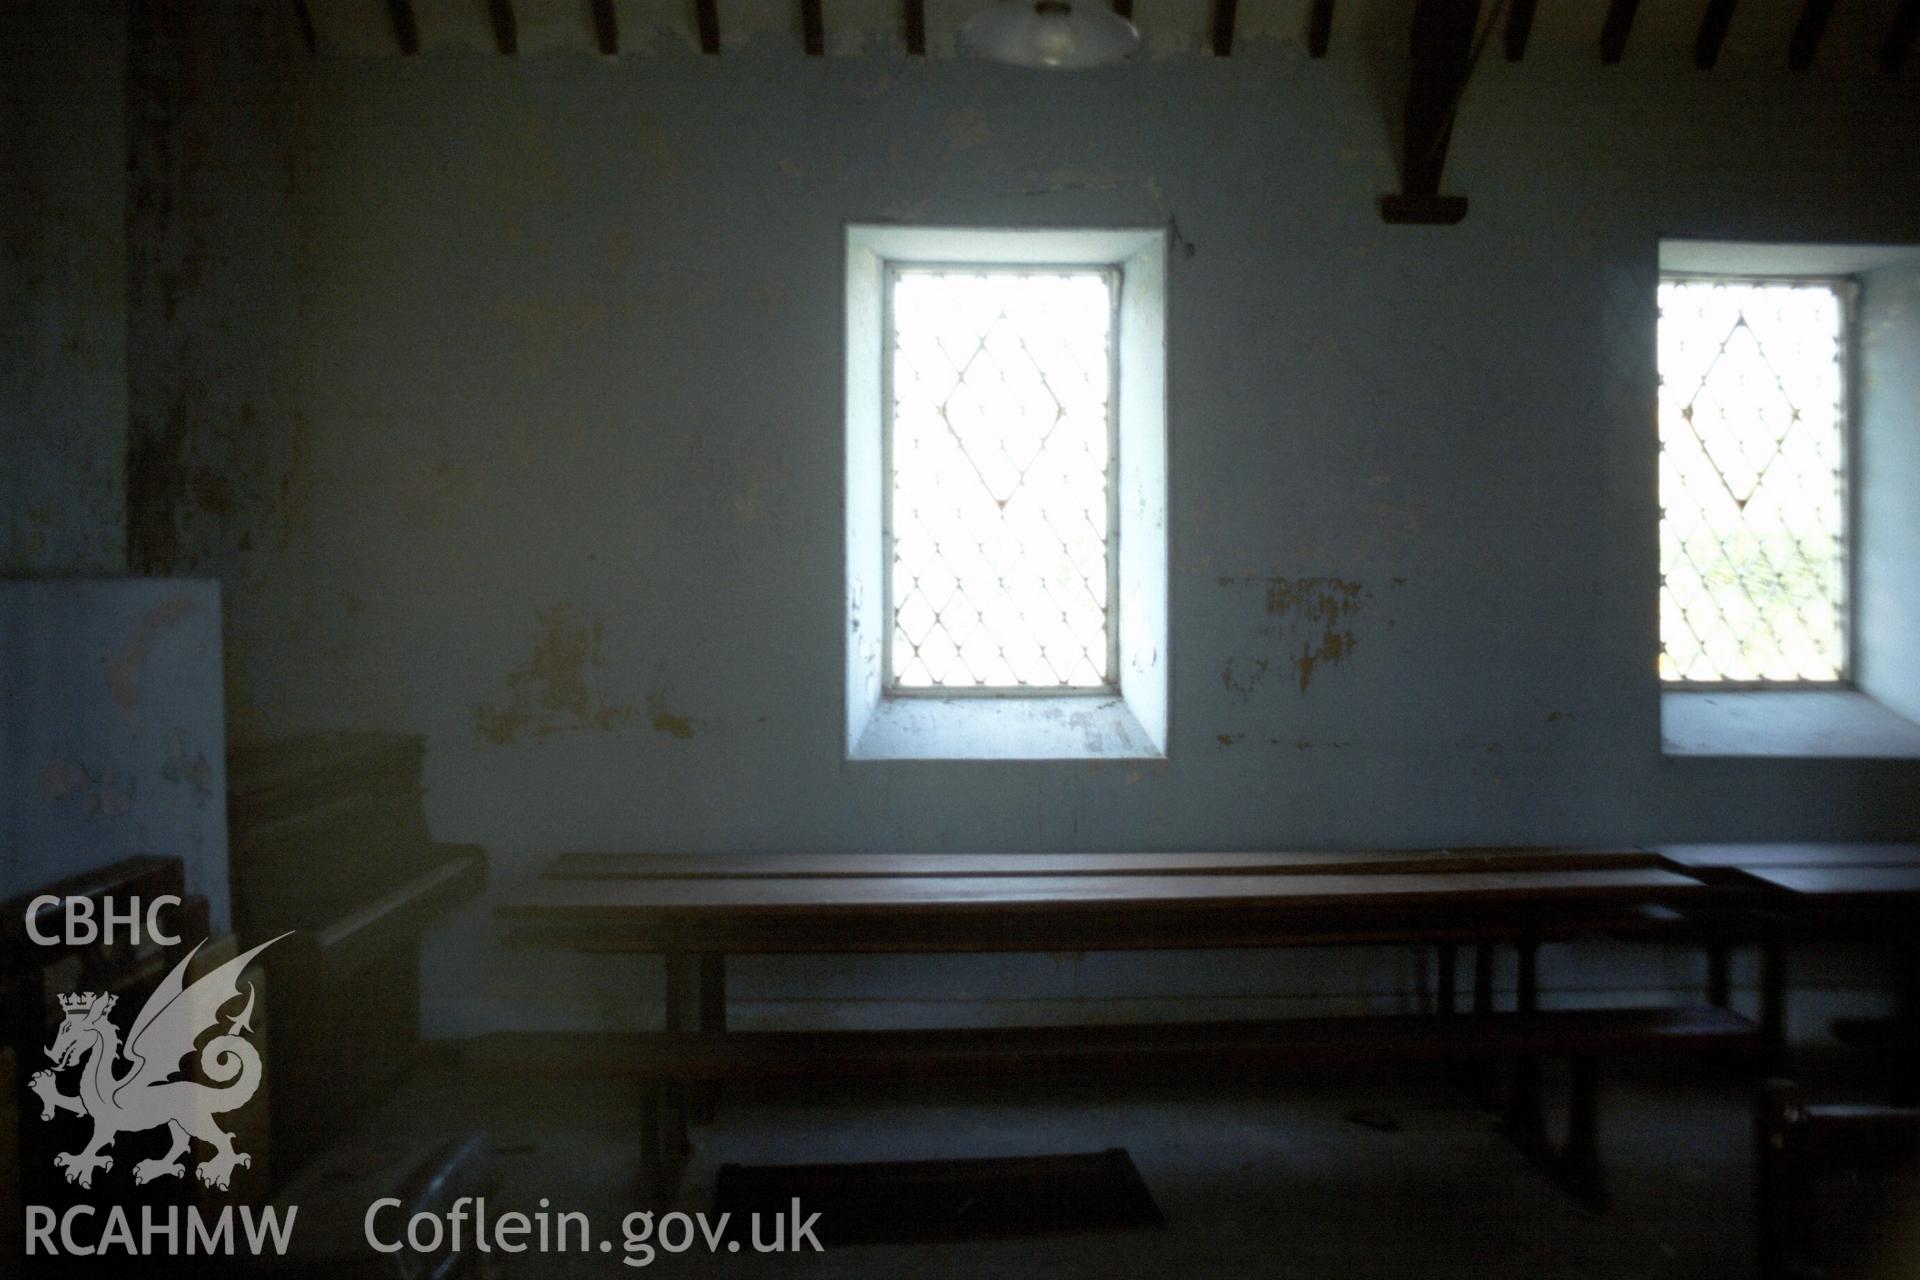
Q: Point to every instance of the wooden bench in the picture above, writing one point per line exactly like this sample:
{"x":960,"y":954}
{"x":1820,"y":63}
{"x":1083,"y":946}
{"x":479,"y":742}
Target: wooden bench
{"x":1798,"y":1147}
{"x":1774,"y":895}
{"x":694,"y":910}
{"x":1246,"y":1050}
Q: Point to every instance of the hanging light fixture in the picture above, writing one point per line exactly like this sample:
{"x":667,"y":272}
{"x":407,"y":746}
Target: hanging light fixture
{"x":1052,"y":34}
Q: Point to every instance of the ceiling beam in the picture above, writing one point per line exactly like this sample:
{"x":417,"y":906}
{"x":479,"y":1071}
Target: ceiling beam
{"x":405,"y":29}
{"x":506,"y":32}
{"x":606,"y":27}
{"x":1319,"y":28}
{"x":916,"y":27}
{"x":1713,"y":33}
{"x":1613,"y":35}
{"x":1899,"y":42}
{"x":1807,"y":33}
{"x":304,"y":16}
{"x":706,"y":15}
{"x":1443,"y":32}
{"x":1519,"y":27}
{"x":1223,"y":15}
{"x":812,"y":28}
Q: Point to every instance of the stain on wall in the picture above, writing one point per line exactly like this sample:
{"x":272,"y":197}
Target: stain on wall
{"x":1309,"y":624}
{"x":553,"y":690}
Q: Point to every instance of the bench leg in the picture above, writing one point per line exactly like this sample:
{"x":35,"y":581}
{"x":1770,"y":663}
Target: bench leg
{"x":680,"y":995}
{"x":1773,"y":1004}
{"x":1579,"y":1170}
{"x":1524,"y":1124}
{"x":663,"y":1152}
{"x":1719,"y":974}
{"x":1483,"y":1085}
{"x":713,"y":1022}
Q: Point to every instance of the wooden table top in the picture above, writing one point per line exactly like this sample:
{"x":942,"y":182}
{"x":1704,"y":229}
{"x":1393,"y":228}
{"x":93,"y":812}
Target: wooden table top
{"x":1077,"y":912}
{"x":616,"y":899}
{"x":683,"y":866}
{"x":1872,"y":885}
{"x":1740,"y":857}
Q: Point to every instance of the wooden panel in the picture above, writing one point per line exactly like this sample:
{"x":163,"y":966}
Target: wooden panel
{"x":1132,"y":1050}
{"x":692,"y":866}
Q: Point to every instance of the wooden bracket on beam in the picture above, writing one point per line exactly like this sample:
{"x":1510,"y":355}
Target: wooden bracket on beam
{"x":1613,"y":35}
{"x":916,"y":18}
{"x":304,"y":16}
{"x":812,"y":28}
{"x":506,"y":32}
{"x":606,"y":27}
{"x":1807,"y":33}
{"x":1223,"y":17}
{"x":1899,"y":42}
{"x":1519,"y":27}
{"x":706,"y":14}
{"x":1124,"y":8}
{"x":405,"y":29}
{"x":1319,"y":28}
{"x":1443,"y":32}
{"x":1713,"y":33}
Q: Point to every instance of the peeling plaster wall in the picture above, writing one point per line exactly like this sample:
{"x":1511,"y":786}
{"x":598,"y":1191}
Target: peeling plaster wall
{"x":63,"y":320}
{"x":517,"y":384}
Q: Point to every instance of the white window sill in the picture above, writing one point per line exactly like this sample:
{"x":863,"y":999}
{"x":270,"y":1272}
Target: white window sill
{"x":1809,"y":723}
{"x":1077,"y":727}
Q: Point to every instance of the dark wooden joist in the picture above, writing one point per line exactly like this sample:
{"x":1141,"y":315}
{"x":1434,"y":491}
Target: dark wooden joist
{"x":606,"y":27}
{"x":1443,"y":32}
{"x":1519,"y":27}
{"x":405,"y":29}
{"x":304,"y":17}
{"x":706,"y":14}
{"x":1613,"y":34}
{"x":1807,"y":32}
{"x":812,"y":28}
{"x":916,"y":22}
{"x":506,"y":31}
{"x":1899,"y":42}
{"x":1319,"y":28}
{"x":1124,"y":8}
{"x":1223,"y":16}
{"x":1713,"y":33}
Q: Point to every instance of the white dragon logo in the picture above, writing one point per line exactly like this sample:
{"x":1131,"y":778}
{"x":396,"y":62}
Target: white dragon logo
{"x":147,"y":1096}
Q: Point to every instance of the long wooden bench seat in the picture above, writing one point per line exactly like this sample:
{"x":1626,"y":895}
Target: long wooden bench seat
{"x":734,"y":866}
{"x":1231,"y":1048}
{"x":1242,"y":1050}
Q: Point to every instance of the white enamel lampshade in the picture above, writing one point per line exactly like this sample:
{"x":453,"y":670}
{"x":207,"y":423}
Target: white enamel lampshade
{"x":1062,"y":35}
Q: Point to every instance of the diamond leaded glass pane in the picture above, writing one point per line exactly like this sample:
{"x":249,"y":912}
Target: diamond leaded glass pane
{"x":1001,"y":454}
{"x":1752,"y":481}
